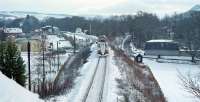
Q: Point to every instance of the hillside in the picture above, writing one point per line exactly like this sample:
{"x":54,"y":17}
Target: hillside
{"x":22,"y":14}
{"x":10,"y":91}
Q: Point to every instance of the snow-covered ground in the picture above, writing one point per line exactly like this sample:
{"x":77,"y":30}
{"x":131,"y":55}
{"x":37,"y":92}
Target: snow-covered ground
{"x":51,"y":62}
{"x":62,"y":42}
{"x":50,"y":76}
{"x":86,"y":72}
{"x":83,"y":81}
{"x":82,"y":37}
{"x":167,"y":75}
{"x":10,"y":91}
{"x":113,"y":73}
{"x":129,"y":47}
{"x":96,"y":85}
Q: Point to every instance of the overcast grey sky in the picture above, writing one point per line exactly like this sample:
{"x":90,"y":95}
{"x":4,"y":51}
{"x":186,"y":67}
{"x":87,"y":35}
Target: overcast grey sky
{"x":99,"y":7}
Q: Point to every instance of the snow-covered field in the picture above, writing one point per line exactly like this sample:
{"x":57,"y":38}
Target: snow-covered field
{"x":51,"y":62}
{"x":35,"y":62}
{"x":10,"y":91}
{"x":167,"y":75}
{"x":86,"y":72}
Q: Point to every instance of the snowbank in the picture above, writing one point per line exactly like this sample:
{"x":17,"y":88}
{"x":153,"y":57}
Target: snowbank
{"x":10,"y":91}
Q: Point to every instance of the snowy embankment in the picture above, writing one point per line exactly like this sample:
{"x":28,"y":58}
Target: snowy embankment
{"x":83,"y":81}
{"x":10,"y":91}
{"x":138,"y":83}
{"x":167,"y":75}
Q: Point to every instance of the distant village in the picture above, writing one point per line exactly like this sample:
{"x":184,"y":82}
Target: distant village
{"x":48,"y":36}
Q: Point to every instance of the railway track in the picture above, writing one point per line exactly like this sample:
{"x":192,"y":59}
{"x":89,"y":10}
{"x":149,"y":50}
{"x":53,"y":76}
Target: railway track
{"x":94,"y":92}
{"x":103,"y":82}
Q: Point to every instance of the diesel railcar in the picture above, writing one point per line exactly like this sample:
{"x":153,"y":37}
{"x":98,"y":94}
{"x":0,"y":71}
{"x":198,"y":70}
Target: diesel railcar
{"x":102,"y":46}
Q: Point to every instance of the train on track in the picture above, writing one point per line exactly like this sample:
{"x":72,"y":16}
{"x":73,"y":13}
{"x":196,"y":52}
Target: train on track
{"x":102,"y":46}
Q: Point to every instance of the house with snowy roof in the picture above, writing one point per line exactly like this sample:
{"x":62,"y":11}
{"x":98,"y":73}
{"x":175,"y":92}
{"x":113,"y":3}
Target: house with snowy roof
{"x":50,"y":30}
{"x":13,"y":31}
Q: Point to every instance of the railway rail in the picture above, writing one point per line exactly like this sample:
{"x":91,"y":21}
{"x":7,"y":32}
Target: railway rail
{"x":94,"y":92}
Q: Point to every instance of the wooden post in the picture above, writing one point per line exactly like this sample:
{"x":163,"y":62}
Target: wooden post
{"x":29,"y":69}
{"x":43,"y":63}
{"x":58,"y":56}
{"x":74,"y":44}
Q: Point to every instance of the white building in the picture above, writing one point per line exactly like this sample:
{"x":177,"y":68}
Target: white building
{"x":53,"y":41}
{"x":13,"y":31}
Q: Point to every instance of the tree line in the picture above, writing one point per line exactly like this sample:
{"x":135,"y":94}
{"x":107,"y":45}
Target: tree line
{"x":144,"y":26}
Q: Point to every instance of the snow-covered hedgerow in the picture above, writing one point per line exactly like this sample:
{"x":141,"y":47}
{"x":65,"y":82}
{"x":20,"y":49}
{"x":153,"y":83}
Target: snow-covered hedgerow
{"x":64,"y":81}
{"x":139,"y":84}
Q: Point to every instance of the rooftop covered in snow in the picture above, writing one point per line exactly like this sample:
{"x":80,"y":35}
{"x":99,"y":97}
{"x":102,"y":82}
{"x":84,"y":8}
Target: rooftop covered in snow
{"x":13,"y":30}
{"x":160,"y":40}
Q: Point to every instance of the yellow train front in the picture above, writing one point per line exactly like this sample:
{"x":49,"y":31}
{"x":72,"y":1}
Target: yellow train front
{"x":102,"y":46}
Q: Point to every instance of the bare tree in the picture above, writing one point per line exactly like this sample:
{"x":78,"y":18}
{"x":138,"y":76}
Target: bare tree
{"x":191,"y":83}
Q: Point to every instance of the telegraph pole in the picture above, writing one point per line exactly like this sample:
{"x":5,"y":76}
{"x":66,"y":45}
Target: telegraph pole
{"x":58,"y":55}
{"x":74,"y":44}
{"x":133,"y":37}
{"x":29,"y":69}
{"x":43,"y":63}
{"x":90,"y":29}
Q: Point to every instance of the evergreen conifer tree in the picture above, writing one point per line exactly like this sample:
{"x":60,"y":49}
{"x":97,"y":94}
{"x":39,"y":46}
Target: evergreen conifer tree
{"x":14,"y":64}
{"x":2,"y":67}
{"x":10,"y":56}
{"x":19,"y":70}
